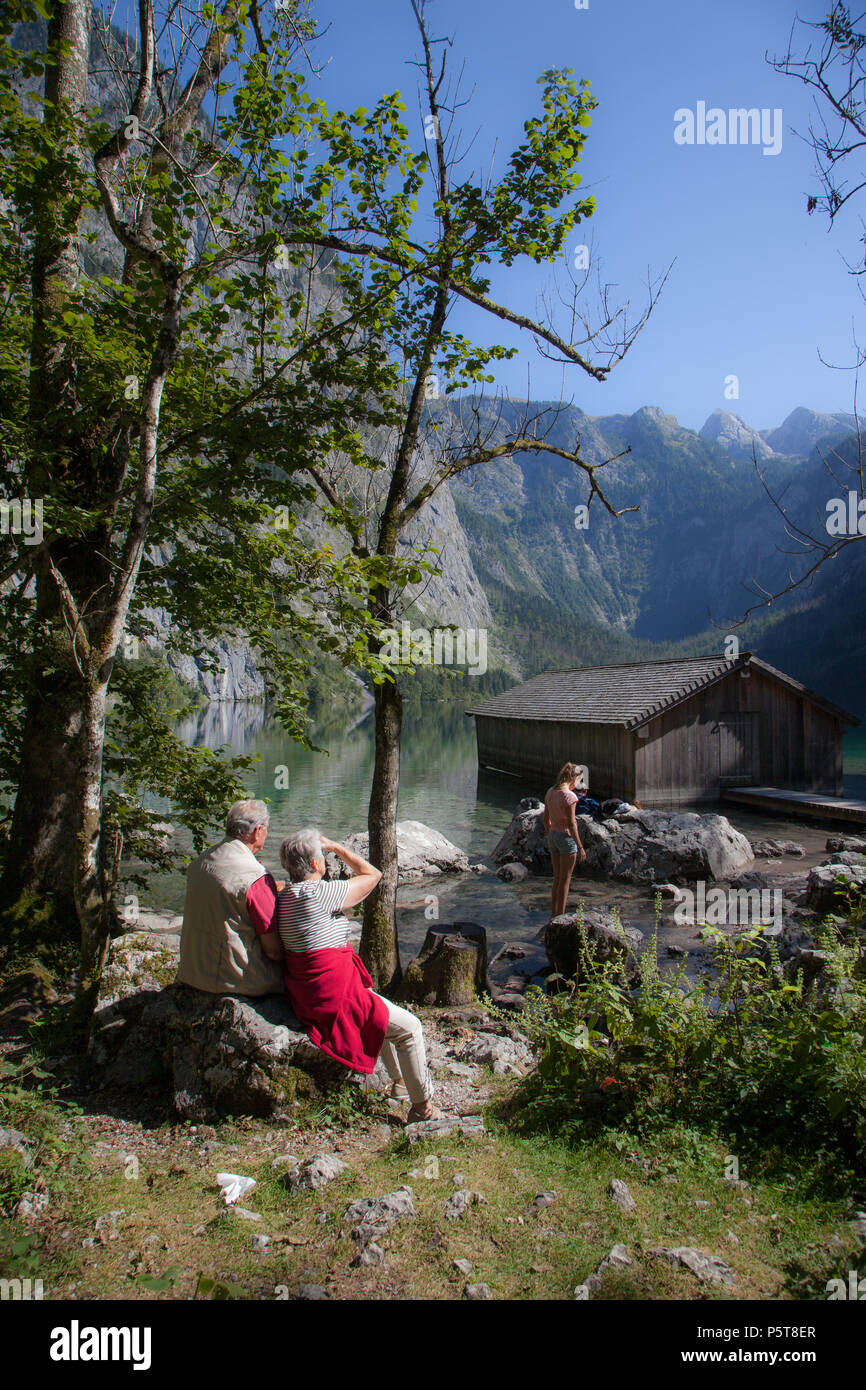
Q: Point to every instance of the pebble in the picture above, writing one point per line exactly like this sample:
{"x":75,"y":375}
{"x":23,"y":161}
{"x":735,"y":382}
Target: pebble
{"x":246,"y":1215}
{"x":370,"y":1254}
{"x":710,"y":1269}
{"x":30,"y":1205}
{"x":477,"y":1292}
{"x":433,"y":1129}
{"x":316,"y":1172}
{"x":14,"y":1139}
{"x":458,"y":1205}
{"x":464,"y":1266}
{"x":260,"y":1242}
{"x":542,"y":1200}
{"x":620,"y":1194}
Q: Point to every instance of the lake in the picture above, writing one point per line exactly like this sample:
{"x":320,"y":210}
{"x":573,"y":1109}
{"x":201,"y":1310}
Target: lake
{"x":441,"y":785}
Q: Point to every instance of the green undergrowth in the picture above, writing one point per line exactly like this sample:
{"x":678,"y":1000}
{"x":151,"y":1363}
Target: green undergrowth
{"x":767,"y":1064}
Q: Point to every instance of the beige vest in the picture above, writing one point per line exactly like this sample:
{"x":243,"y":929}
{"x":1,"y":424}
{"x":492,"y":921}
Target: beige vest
{"x":219,"y":949}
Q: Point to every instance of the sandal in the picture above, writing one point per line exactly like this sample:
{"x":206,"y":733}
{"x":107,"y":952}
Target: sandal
{"x":419,"y":1113}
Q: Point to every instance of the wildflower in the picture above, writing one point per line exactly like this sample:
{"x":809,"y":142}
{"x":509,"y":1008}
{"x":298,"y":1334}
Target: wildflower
{"x":608,"y":1081}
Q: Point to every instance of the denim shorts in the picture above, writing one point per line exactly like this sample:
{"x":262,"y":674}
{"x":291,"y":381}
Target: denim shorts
{"x":560,"y":843}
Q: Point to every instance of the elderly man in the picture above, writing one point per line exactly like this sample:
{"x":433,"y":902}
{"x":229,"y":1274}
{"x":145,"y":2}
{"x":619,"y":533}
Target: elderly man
{"x":230,"y":900}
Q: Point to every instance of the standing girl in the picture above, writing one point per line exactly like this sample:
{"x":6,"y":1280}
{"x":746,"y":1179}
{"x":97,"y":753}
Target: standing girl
{"x":563,"y":837}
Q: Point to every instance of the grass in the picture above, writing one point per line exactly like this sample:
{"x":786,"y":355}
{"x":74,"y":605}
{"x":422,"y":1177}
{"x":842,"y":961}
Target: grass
{"x":783,"y":1239}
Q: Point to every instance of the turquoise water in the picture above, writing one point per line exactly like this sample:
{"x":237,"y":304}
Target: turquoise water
{"x":441,"y":785}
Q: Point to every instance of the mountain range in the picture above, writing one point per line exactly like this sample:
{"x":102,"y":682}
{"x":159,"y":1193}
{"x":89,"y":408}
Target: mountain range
{"x":675,"y":576}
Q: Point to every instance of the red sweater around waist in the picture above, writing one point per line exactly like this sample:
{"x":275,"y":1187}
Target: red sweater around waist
{"x":330,"y":991}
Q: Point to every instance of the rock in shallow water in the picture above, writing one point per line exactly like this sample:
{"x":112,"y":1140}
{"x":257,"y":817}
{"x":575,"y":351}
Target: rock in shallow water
{"x":603,"y":936}
{"x":421,"y":853}
{"x":638,"y":847}
{"x":830,"y":884}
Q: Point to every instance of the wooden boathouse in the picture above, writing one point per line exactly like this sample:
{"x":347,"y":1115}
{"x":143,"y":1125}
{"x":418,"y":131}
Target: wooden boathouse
{"x":668,"y":733}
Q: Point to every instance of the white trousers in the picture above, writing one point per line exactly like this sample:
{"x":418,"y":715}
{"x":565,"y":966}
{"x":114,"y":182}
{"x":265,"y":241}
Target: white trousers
{"x":404,"y":1056}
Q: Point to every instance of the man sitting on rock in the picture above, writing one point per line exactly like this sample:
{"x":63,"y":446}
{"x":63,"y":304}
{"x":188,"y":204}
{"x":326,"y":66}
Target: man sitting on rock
{"x":230,"y":899}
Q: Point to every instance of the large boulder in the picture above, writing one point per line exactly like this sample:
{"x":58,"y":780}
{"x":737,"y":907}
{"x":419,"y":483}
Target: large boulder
{"x":597,"y":933}
{"x":855,"y":844}
{"x":638,"y":846}
{"x":673,"y":847}
{"x":421,"y":853}
{"x":525,"y":841}
{"x":833,"y":884}
{"x":213,"y":1054}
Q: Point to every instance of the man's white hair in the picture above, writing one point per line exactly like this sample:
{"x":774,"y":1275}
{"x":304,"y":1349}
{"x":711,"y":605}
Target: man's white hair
{"x":244,"y":819}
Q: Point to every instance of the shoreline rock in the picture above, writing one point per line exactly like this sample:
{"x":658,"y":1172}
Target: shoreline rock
{"x":605,"y":939}
{"x":421,"y":853}
{"x":642,"y":847}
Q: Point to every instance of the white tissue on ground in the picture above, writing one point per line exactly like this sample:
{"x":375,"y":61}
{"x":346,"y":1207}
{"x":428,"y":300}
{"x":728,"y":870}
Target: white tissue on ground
{"x":232,"y":1186}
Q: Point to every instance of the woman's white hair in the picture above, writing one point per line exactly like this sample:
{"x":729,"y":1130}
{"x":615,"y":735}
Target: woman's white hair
{"x":298,"y":851}
{"x":244,"y":819}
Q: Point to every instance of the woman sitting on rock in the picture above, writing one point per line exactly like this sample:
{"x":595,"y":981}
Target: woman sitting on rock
{"x":327,"y":984}
{"x":563,"y":837}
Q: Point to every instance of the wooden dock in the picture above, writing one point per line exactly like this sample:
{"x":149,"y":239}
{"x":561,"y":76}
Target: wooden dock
{"x":811,"y":804}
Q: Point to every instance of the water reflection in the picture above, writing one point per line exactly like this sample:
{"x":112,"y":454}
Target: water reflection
{"x":441,"y":785}
{"x":223,"y":723}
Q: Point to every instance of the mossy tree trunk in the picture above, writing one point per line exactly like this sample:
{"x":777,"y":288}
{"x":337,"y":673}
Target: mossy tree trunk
{"x":380,"y":950}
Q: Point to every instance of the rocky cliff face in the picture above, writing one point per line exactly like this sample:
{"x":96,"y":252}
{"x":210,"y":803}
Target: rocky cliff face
{"x":803,"y":429}
{"x":732,"y":434}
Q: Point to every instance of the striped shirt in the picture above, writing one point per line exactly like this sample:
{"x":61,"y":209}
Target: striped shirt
{"x":306,"y":915}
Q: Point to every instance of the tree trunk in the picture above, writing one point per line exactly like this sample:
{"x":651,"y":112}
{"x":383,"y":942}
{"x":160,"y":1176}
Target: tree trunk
{"x":451,"y":967}
{"x":380,"y":951}
{"x":92,"y":897}
{"x":39,"y":870}
{"x":40,"y":859}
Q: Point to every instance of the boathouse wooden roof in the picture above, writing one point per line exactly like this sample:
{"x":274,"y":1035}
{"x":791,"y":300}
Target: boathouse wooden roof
{"x":630,"y":694}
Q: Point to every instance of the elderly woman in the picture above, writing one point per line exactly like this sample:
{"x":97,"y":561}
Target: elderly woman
{"x":328,"y":985}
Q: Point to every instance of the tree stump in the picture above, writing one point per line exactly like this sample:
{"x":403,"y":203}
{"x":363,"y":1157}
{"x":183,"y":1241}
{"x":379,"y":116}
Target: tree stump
{"x":451,"y":967}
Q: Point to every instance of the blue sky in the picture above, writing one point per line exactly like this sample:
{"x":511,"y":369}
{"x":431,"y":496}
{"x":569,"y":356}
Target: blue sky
{"x":759,"y":287}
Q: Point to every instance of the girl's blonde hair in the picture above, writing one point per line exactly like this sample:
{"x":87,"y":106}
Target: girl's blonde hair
{"x":567,"y":773}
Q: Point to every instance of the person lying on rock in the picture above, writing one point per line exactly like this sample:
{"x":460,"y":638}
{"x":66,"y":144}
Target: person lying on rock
{"x":230,"y":900}
{"x":327,"y":984}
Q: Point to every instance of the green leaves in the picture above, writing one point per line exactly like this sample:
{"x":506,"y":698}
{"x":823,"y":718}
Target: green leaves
{"x":159,"y":1283}
{"x":218,"y":1290}
{"x":742,"y":1050}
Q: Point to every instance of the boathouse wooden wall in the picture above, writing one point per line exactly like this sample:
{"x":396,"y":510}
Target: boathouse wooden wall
{"x":742,"y":731}
{"x":535,"y":749}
